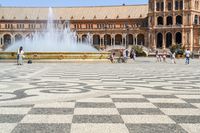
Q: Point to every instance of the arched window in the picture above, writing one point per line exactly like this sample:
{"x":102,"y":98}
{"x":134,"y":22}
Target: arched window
{"x":169,"y":20}
{"x":168,"y":40}
{"x":157,"y":6}
{"x":29,"y":36}
{"x":84,"y":39}
{"x":181,"y":5}
{"x":129,"y":39}
{"x":96,"y":40}
{"x":179,"y":20}
{"x":169,"y":6}
{"x":178,"y":38}
{"x":159,"y":40}
{"x":140,"y":39}
{"x":7,"y":40}
{"x":118,"y":39}
{"x":176,"y":5}
{"x":107,"y":39}
{"x":18,"y":37}
{"x":196,"y":19}
{"x":162,"y":6}
{"x":160,"y":20}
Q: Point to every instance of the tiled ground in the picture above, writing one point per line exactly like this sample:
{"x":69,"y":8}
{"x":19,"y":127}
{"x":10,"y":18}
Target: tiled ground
{"x":139,"y":97}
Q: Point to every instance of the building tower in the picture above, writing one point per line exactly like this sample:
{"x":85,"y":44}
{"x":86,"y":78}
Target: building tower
{"x":172,"y":22}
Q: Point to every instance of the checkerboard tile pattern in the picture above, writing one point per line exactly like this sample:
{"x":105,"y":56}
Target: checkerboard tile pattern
{"x":114,"y":113}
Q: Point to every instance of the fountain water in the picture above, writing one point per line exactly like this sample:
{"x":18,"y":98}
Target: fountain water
{"x":53,"y":40}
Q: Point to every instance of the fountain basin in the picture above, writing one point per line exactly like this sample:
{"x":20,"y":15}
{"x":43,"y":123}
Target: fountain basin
{"x":57,"y":55}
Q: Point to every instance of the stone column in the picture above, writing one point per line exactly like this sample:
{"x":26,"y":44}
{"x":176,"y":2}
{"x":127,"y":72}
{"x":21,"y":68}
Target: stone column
{"x":174,"y":19}
{"x":125,"y":43}
{"x":173,"y":38}
{"x":114,"y":41}
{"x":136,"y":40}
{"x":154,"y":40}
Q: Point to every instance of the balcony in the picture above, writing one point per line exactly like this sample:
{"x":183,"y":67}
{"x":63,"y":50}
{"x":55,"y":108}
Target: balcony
{"x":168,"y":26}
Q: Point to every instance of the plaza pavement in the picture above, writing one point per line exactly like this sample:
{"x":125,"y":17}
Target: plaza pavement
{"x":137,"y":97}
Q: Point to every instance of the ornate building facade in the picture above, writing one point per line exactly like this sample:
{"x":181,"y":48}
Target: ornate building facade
{"x":174,"y":22}
{"x":157,"y":25}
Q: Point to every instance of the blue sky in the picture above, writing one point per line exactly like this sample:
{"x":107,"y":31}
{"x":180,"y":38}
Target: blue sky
{"x":62,"y":3}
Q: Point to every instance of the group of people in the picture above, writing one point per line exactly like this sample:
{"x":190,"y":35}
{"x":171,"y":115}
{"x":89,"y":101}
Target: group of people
{"x":123,"y":56}
{"x":163,"y":56}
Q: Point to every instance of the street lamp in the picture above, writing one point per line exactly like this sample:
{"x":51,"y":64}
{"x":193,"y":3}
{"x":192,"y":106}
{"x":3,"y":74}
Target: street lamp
{"x":127,"y":35}
{"x":105,"y":27}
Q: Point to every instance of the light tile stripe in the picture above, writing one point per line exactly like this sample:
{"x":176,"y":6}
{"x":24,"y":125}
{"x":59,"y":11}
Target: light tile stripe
{"x":99,"y":128}
{"x":135,"y":105}
{"x":189,"y":96}
{"x":96,"y":111}
{"x":147,"y":119}
{"x":165,"y":100}
{"x":180,"y":111}
{"x":96,"y":100}
{"x":56,"y":105}
{"x":14,"y":110}
{"x":126,"y":96}
{"x":47,"y":119}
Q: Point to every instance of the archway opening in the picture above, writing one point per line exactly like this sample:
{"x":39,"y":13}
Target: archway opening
{"x":140,"y":39}
{"x":29,"y":36}
{"x":169,"y":20}
{"x":179,"y":20}
{"x":159,"y":40}
{"x":118,"y":39}
{"x":96,"y":40}
{"x":7,"y":40}
{"x":107,"y":39}
{"x":84,"y":39}
{"x":178,"y":38}
{"x":160,"y":20}
{"x":168,"y":40}
{"x":18,"y":37}
{"x":196,"y":19}
{"x":129,"y":39}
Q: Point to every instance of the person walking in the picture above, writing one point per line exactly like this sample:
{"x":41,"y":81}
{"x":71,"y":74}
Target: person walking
{"x":20,"y":56}
{"x":125,"y":55}
{"x":173,"y":58}
{"x":187,"y":56}
{"x":157,"y":56}
{"x":132,"y":54}
{"x":112,"y":58}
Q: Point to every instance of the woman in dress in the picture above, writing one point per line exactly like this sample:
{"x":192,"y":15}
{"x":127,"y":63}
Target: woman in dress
{"x":20,"y":56}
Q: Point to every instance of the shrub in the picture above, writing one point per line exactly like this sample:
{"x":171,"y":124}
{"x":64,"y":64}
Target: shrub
{"x":139,"y":50}
{"x":178,"y":49}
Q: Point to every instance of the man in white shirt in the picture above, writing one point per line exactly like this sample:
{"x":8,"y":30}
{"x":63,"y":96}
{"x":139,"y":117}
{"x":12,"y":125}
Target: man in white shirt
{"x":187,"y":55}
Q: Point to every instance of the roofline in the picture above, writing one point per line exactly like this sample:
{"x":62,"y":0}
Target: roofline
{"x":73,"y":6}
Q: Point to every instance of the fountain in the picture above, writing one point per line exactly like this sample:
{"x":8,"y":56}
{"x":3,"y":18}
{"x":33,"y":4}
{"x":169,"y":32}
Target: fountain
{"x":54,"y":43}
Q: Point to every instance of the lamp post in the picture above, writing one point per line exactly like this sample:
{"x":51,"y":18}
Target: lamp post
{"x":127,"y":36}
{"x":105,"y":27}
